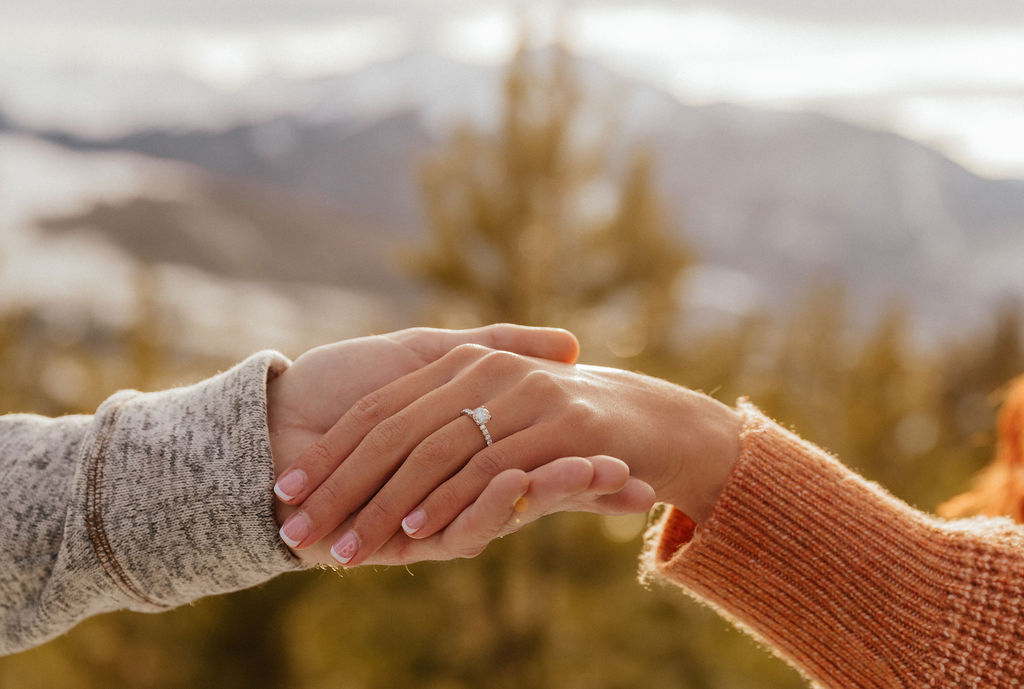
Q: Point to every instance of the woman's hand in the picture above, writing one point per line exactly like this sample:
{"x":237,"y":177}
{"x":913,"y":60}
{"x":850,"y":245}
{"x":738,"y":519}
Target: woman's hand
{"x":407,"y":450}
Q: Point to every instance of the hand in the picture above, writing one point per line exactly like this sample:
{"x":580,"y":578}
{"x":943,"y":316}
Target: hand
{"x":311,"y":395}
{"x":680,"y":442}
{"x":515,"y":498}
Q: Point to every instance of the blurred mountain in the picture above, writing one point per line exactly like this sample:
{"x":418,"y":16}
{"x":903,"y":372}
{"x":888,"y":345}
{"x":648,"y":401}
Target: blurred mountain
{"x":798,"y":198}
{"x":363,"y":169}
{"x":84,"y":236}
{"x":775,"y":202}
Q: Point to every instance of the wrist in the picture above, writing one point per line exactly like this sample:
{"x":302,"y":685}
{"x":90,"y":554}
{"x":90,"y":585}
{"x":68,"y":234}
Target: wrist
{"x":707,"y":451}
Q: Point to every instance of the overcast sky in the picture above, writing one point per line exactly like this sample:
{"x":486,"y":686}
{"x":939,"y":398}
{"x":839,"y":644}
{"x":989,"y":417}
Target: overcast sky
{"x":944,"y":71}
{"x":910,"y":12}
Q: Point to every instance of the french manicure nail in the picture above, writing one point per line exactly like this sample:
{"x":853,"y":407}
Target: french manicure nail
{"x":346,"y":548}
{"x":414,"y":521}
{"x":295,"y":529}
{"x":291,"y":484}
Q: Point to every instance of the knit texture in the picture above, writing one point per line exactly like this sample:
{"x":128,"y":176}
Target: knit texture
{"x":157,"y":500}
{"x":847,"y":583}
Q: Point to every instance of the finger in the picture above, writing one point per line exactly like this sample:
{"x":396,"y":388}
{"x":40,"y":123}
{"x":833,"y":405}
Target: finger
{"x":613,"y":490}
{"x":610,"y":474}
{"x":563,"y":485}
{"x":469,"y":534}
{"x":610,"y":489}
{"x":529,"y":449}
{"x":431,"y":463}
{"x":635,"y":497}
{"x":545,"y":343}
{"x":511,"y":500}
{"x":551,"y":485}
{"x":318,"y":461}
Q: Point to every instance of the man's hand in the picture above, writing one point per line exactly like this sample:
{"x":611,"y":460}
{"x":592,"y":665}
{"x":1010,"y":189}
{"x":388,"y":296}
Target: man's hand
{"x":310,"y":396}
{"x":515,"y":498}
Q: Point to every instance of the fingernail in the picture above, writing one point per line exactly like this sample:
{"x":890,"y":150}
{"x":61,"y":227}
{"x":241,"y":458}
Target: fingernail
{"x":521,"y":503}
{"x":346,"y":548}
{"x":291,"y":484}
{"x":295,"y":529}
{"x":414,"y":521}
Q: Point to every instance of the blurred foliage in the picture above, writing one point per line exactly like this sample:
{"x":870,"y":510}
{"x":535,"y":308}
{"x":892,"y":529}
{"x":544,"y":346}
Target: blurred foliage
{"x":556,"y":605}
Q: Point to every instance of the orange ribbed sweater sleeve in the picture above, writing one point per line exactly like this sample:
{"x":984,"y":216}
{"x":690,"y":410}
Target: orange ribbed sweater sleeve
{"x":847,"y":583}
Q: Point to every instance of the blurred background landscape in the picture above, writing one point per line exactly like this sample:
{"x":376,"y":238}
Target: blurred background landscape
{"x":816,"y":206}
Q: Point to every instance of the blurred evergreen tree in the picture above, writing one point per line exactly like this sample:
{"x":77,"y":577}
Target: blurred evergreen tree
{"x":528,"y":224}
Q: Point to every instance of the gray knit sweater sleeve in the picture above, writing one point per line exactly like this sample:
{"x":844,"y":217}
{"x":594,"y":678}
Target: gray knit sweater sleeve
{"x":157,"y":500}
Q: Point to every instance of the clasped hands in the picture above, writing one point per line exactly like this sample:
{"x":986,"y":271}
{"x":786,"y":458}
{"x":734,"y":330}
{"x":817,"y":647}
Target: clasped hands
{"x":376,"y":464}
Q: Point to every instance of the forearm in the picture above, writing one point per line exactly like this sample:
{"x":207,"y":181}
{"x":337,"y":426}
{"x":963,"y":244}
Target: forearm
{"x":157,"y":500}
{"x":852,"y":586}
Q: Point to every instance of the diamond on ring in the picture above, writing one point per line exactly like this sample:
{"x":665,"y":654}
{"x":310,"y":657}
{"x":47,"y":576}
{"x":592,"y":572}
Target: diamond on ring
{"x":480,"y":416}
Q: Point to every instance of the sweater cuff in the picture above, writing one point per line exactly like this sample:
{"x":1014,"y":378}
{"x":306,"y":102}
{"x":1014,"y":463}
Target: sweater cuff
{"x":177,"y":496}
{"x":839,"y":577}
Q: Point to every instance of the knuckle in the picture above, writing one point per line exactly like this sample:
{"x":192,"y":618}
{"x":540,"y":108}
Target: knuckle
{"x":484,"y":538}
{"x":370,"y":409}
{"x":435,"y":450}
{"x":579,"y":412}
{"x":444,"y":502}
{"x":467,"y":351}
{"x":386,"y":435}
{"x":318,"y":455}
{"x":328,"y":450}
{"x":491,"y":462}
{"x":498,"y":362}
{"x":470,"y":550}
{"x":375,"y":512}
{"x":542,"y":383}
{"x":492,"y":333}
{"x":327,"y":499}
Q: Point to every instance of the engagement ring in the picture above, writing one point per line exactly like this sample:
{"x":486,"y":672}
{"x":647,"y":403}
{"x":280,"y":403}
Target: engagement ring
{"x":480,"y":417}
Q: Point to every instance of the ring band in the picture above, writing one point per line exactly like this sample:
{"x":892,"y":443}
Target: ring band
{"x":480,"y":417}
